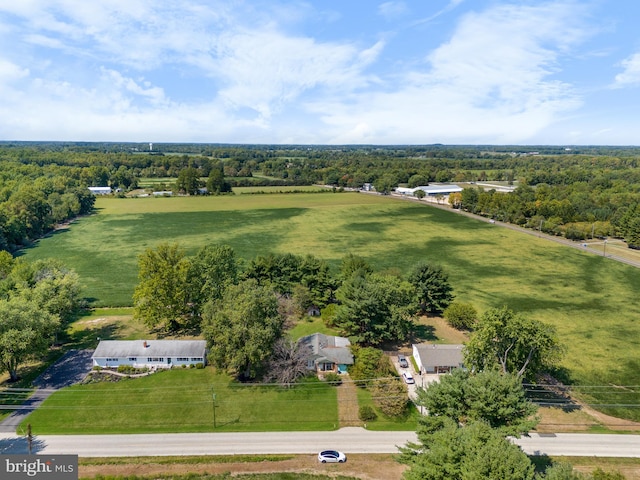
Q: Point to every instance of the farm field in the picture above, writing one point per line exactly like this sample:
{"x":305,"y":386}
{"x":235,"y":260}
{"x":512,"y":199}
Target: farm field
{"x":590,"y":299}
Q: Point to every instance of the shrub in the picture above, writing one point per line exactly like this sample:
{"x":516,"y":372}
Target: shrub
{"x":369,"y":363}
{"x":367,"y":413}
{"x":462,"y":316}
{"x":333,"y":378}
{"x":200,"y":365}
{"x":390,"y":396}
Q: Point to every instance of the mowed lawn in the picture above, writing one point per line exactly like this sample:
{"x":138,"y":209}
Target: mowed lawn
{"x":181,"y":400}
{"x":590,"y":299}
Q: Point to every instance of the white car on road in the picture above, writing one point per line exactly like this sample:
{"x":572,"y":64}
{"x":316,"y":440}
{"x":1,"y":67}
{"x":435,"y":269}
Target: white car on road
{"x":331,"y":456}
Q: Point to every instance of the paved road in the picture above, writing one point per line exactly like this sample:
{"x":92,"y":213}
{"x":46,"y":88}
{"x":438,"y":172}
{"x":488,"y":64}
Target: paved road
{"x":350,"y":440}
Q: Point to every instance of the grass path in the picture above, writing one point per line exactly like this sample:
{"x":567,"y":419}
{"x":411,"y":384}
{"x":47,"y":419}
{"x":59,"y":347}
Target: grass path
{"x":348,"y":404}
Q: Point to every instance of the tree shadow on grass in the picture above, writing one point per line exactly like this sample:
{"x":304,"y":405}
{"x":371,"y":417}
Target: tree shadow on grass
{"x":424,"y":333}
{"x":89,"y":337}
{"x":550,"y":390}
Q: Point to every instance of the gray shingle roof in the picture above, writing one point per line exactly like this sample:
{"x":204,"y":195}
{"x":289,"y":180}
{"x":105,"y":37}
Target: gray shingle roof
{"x":436,"y":355}
{"x":154,"y":348}
{"x":327,"y":348}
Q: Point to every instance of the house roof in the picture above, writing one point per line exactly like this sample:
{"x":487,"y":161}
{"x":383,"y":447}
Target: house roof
{"x":154,"y":348}
{"x":432,"y":354}
{"x":327,"y":348}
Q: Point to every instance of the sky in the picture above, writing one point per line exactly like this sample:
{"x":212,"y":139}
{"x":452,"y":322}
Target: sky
{"x":521,"y":72}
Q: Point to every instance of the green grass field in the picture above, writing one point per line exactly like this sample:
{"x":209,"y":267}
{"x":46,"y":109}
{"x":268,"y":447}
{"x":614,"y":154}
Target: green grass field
{"x":590,"y":299}
{"x":181,"y":400}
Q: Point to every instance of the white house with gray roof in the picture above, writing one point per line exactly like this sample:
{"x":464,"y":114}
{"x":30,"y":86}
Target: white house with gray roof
{"x":327,"y":353}
{"x":437,"y":358}
{"x":149,"y":353}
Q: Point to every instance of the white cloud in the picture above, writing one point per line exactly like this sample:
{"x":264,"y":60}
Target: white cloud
{"x":10,"y":72}
{"x":631,"y":74}
{"x":266,"y":69}
{"x":392,"y":10}
{"x":492,"y":82}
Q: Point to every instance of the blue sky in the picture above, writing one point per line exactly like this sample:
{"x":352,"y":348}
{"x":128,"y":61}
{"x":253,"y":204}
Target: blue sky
{"x":321,"y":72}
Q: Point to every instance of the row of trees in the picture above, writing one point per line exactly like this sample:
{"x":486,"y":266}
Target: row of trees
{"x":36,"y":299}
{"x":577,"y":211}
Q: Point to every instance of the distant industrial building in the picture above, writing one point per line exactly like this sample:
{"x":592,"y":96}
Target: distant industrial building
{"x":431,"y":190}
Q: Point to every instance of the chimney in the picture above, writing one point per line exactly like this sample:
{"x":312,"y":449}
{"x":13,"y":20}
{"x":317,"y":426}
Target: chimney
{"x":145,"y":344}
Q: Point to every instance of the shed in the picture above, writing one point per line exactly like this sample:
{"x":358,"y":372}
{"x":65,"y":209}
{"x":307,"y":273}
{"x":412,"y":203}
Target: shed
{"x":436,"y":358}
{"x":149,"y":353}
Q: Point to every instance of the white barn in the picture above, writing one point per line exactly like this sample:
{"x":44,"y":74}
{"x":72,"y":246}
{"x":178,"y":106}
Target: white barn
{"x":100,"y":190}
{"x":149,"y":353}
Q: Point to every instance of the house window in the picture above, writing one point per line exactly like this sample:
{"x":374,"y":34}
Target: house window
{"x":182,"y":359}
{"x":133,"y":359}
{"x":196,"y":359}
{"x":326,"y":367}
{"x":112,"y":359}
{"x":155,"y":359}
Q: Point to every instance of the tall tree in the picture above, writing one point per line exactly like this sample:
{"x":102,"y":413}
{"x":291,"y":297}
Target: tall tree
{"x":211,"y":271}
{"x":161,"y":298}
{"x":242,"y":328}
{"x":448,"y":451}
{"x":26,"y":332}
{"x":53,"y":287}
{"x":374,"y":309}
{"x":513,"y":343}
{"x":434,"y":293}
{"x":188,"y":180}
{"x":352,"y":264}
{"x":216,"y":184}
{"x":491,"y":397}
{"x":385,"y":184}
{"x":288,"y":362}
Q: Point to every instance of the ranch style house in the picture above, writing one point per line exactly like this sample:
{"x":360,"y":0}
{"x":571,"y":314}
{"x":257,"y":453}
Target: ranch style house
{"x":151,"y":354}
{"x":436,"y":358}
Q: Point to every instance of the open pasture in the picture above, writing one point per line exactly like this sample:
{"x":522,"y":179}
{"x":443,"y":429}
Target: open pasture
{"x":590,"y":299}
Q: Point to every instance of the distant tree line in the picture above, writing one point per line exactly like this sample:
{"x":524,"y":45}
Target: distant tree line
{"x":578,"y":192}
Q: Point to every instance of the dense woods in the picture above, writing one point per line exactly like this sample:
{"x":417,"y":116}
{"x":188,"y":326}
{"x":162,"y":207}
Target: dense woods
{"x":578,"y":192}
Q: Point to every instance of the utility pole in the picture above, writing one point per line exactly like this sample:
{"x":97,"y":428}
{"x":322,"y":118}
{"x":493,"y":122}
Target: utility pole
{"x":213,"y":405}
{"x":29,"y":438}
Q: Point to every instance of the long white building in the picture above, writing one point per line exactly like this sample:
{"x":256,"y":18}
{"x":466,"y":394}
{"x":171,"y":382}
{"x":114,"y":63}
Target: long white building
{"x":149,"y":353}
